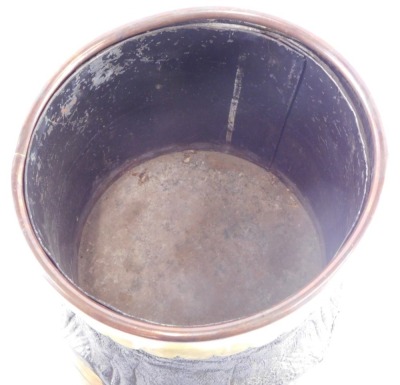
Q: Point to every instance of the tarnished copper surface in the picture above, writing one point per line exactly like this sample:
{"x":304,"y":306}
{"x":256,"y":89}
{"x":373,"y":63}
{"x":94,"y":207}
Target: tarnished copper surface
{"x":264,"y":318}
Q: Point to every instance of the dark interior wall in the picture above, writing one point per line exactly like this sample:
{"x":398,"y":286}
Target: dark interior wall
{"x":204,"y":83}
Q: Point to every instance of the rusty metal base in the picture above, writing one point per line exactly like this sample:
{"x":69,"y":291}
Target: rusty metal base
{"x":197,"y":237}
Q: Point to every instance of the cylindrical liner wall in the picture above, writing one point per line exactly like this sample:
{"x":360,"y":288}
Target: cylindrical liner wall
{"x":238,"y":83}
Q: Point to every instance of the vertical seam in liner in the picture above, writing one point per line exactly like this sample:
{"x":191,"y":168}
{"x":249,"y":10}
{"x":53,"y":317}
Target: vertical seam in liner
{"x":291,"y":104}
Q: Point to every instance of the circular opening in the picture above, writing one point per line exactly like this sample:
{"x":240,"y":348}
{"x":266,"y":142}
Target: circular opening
{"x":115,"y":171}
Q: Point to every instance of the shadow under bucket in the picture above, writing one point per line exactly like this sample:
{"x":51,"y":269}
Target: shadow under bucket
{"x":195,"y":178}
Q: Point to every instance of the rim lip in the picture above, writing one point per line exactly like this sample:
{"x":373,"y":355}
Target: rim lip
{"x":262,"y":319}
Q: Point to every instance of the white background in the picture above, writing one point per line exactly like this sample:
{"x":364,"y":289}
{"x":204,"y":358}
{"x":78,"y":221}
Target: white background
{"x":37,"y":37}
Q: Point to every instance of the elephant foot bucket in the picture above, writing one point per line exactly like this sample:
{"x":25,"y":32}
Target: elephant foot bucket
{"x":191,"y":184}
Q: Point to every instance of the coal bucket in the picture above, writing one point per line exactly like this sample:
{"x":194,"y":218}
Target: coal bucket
{"x":191,"y":185}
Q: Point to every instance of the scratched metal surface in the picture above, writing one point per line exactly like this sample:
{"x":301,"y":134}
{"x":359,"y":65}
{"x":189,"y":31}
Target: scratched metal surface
{"x":195,"y":238}
{"x":215,"y":83}
{"x":97,"y":148}
{"x":42,"y":43}
{"x":109,"y":113}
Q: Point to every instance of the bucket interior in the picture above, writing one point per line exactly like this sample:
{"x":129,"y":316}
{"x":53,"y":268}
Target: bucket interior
{"x":198,"y":173}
